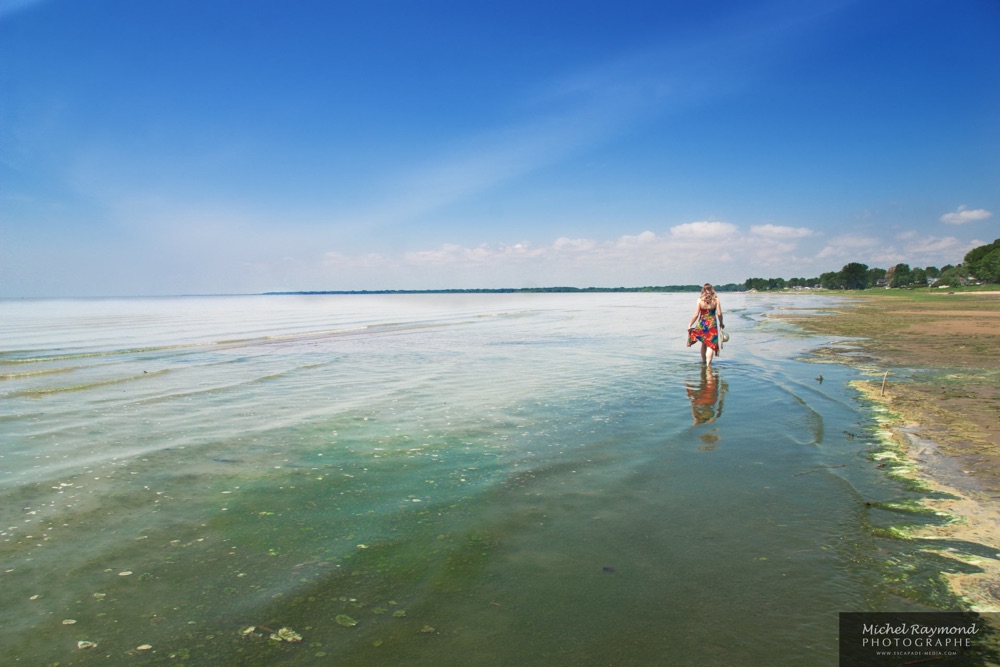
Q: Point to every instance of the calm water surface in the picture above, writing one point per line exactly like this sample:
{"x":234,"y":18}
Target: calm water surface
{"x":434,"y":480}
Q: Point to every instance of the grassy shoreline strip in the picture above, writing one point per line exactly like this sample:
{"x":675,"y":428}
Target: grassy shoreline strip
{"x":940,"y":401}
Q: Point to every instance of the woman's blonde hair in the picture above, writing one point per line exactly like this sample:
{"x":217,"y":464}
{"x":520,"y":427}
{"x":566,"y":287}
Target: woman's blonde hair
{"x":708,"y":293}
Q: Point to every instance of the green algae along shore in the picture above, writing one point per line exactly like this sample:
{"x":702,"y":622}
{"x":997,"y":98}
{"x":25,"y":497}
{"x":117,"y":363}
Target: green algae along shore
{"x":933,"y":365}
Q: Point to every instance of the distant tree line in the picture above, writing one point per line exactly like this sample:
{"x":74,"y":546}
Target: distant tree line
{"x":730,"y":287}
{"x":980,"y":265}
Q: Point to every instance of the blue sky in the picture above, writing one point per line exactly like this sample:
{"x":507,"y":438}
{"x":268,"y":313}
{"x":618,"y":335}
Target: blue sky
{"x":214,"y":146}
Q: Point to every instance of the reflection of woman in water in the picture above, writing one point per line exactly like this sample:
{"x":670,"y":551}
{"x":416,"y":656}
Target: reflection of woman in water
{"x":706,"y":398}
{"x":706,"y":323}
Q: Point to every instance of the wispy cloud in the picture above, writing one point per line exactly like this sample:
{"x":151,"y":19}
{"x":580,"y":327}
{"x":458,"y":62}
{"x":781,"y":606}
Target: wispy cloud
{"x":910,"y":248}
{"x":933,"y":245}
{"x":704,"y":230}
{"x":564,"y":125}
{"x":850,"y":247}
{"x":781,"y":232}
{"x":8,"y":7}
{"x":716,"y":251}
{"x":644,"y":258}
{"x":964,"y":214}
{"x":561,"y":118}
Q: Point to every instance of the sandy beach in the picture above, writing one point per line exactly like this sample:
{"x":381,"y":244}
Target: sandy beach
{"x":934,"y":371}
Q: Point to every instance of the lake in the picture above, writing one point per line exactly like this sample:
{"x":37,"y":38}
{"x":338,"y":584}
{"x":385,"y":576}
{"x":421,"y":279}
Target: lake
{"x":464,"y":479}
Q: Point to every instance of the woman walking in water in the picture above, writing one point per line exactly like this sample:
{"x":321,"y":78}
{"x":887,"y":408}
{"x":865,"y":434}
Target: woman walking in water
{"x":706,"y":324}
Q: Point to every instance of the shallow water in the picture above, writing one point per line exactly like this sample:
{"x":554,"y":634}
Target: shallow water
{"x":529,"y":479}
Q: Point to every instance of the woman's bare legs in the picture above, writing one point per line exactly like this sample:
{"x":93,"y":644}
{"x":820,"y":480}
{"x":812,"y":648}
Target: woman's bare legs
{"x":706,"y":354}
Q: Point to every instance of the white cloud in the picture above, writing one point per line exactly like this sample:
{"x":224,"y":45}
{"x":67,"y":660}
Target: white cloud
{"x":645,"y":238}
{"x":911,"y":248}
{"x":934,"y":245}
{"x":371,"y":260}
{"x":843,"y":246}
{"x":574,"y":245}
{"x":644,"y":258}
{"x":703,"y":230}
{"x":772,"y":253}
{"x":781,"y":232}
{"x":964,"y":214}
{"x":451,"y":254}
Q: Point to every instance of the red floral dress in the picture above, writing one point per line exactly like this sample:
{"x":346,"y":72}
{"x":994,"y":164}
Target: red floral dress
{"x":705,"y":330}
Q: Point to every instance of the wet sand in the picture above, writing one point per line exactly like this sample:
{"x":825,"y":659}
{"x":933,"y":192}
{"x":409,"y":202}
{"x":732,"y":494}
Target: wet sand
{"x":933,"y":359}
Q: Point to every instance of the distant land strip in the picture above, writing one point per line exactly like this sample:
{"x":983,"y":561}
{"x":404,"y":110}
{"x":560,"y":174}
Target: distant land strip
{"x":522,"y":290}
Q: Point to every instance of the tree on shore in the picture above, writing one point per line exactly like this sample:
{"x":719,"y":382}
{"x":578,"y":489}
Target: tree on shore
{"x":952,"y":275}
{"x":983,"y":262}
{"x":854,"y":276}
{"x":900,"y":276}
{"x":766,"y":284}
{"x":874,"y":275}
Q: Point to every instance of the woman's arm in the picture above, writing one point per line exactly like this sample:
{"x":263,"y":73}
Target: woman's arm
{"x":697,"y":312}
{"x":718,"y":310}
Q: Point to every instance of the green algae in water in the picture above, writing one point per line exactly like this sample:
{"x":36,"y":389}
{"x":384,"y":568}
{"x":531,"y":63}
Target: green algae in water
{"x":345,"y":620}
{"x":287,"y":635}
{"x":894,"y":532}
{"x":909,"y":506}
{"x":465,"y":564}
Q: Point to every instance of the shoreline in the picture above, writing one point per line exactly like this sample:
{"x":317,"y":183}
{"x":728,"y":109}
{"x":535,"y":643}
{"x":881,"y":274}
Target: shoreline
{"x":933,"y":380}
